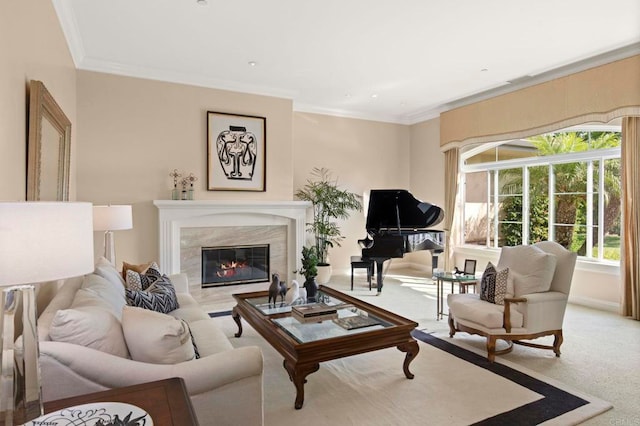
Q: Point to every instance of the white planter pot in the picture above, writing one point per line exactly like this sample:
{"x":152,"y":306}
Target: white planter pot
{"x":324,"y":274}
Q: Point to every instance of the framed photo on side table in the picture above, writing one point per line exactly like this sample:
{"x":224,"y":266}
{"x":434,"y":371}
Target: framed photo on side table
{"x":236,"y":152}
{"x":469,"y":267}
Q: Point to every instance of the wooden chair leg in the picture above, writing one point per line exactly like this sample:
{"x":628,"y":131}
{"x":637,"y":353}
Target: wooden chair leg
{"x":557,"y":341}
{"x":452,"y":327}
{"x":491,"y":348}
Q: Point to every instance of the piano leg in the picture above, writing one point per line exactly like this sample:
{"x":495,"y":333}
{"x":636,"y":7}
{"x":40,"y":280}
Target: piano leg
{"x":379,"y":264}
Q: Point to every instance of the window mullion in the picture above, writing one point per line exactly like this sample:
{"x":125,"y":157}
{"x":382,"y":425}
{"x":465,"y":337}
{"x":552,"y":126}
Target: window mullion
{"x":601,"y":210}
{"x":589,"y":227}
{"x":496,"y":199}
{"x":552,"y":213}
{"x":525,"y":205}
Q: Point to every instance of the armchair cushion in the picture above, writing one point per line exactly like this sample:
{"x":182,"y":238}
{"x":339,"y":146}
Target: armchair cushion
{"x":493,"y":285}
{"x":490,"y":315}
{"x":530,"y":267}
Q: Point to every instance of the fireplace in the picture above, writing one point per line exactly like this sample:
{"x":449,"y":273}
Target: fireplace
{"x":239,"y":264}
{"x":187,"y":226}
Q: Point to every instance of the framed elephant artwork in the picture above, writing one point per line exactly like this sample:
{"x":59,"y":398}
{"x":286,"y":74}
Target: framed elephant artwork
{"x":236,"y":152}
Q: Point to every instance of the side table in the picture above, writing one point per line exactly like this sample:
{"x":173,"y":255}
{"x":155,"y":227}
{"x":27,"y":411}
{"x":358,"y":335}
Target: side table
{"x":166,"y":401}
{"x":463,"y":282}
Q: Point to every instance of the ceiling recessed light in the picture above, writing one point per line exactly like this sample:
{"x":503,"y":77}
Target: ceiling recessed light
{"x":375,"y":95}
{"x":253,"y":63}
{"x":484,"y":70}
{"x":202,"y":2}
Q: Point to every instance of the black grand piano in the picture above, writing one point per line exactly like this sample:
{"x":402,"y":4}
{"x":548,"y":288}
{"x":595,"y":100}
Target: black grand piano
{"x":397,"y":223}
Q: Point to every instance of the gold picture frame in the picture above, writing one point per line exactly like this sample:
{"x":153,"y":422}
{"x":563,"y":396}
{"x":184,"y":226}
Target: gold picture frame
{"x":48,"y":147}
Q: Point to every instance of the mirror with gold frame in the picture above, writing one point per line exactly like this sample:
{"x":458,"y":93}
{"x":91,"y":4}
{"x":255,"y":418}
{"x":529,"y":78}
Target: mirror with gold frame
{"x":49,"y":147}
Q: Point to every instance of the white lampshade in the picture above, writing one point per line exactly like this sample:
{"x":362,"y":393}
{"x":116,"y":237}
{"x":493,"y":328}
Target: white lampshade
{"x":112,"y":218}
{"x":39,"y":242}
{"x":44,"y":241}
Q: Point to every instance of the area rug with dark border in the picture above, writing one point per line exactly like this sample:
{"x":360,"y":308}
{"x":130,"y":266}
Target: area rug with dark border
{"x":453,"y":385}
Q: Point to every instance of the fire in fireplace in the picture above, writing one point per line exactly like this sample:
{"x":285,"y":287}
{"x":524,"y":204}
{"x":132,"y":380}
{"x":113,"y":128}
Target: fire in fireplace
{"x":235,"y":265}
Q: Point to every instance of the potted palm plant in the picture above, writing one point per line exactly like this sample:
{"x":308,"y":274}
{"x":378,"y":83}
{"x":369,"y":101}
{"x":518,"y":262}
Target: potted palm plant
{"x":329,"y":203}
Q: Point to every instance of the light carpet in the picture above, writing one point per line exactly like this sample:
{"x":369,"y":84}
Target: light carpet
{"x":453,"y":385}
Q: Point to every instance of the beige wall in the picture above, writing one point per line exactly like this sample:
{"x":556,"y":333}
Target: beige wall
{"x":32,"y":46}
{"x":426,"y":165}
{"x":362,"y":154}
{"x":133,"y":132}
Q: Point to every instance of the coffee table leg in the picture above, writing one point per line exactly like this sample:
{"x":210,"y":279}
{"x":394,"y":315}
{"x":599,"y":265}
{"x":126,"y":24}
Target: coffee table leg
{"x":411,"y":349}
{"x":236,"y":317}
{"x":298,"y":375}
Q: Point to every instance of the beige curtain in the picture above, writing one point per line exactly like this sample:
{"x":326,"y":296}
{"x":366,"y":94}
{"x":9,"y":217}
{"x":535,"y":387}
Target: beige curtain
{"x":630,"y":269}
{"x":451,"y":159}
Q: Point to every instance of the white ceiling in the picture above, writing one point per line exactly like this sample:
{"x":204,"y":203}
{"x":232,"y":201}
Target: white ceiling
{"x":400,"y":61}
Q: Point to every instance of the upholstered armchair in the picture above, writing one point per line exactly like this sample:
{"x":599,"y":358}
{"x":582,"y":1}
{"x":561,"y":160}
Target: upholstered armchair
{"x":523,"y":298}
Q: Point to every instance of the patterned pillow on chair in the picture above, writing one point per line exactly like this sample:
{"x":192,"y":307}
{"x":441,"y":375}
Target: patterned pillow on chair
{"x":493,"y":285}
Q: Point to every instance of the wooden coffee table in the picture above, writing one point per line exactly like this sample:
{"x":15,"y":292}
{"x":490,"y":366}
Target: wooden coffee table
{"x":305,"y":345}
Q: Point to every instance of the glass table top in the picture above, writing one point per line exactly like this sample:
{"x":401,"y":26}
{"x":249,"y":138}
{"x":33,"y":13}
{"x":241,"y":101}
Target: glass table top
{"x":350,"y":319}
{"x":449,"y":276}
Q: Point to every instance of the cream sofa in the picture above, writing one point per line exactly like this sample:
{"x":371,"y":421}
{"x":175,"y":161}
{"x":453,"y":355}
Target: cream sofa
{"x":225,"y":384}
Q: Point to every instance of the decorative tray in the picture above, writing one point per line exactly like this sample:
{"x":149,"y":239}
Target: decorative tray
{"x":95,"y":414}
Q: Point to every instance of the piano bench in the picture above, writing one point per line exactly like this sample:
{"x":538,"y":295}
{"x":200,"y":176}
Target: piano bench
{"x":359,"y":262}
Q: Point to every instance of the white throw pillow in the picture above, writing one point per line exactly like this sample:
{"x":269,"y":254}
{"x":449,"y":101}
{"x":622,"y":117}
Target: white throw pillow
{"x":155,"y":337}
{"x":530,"y":268}
{"x":88,"y":326}
{"x":106,"y":270}
{"x":97,"y":291}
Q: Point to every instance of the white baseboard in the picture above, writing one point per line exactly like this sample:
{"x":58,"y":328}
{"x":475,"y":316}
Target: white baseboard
{"x":595,"y":304}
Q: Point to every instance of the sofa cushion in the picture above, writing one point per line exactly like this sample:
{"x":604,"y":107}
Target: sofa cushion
{"x":89,"y":326}
{"x":106,"y":270}
{"x":493,"y":285}
{"x":143,"y":280}
{"x":155,"y":337}
{"x":209,"y":338}
{"x":97,"y":291}
{"x":532,"y":269}
{"x":189,"y":309}
{"x":159,"y":296}
{"x":489,"y":315}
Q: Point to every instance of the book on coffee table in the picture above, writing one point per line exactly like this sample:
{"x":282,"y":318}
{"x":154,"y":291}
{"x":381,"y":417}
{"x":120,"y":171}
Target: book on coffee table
{"x":313,"y":310}
{"x":356,"y":321}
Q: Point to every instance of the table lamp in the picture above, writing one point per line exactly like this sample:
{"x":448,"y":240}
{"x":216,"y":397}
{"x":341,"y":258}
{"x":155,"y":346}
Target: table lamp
{"x":109,"y":219}
{"x":39,"y":242}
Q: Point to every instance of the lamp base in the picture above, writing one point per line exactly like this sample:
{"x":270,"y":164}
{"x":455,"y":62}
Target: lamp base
{"x":20,"y":391}
{"x":109,"y":247}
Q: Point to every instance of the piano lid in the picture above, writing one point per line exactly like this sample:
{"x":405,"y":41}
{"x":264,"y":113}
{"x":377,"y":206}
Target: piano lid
{"x":398,"y":209}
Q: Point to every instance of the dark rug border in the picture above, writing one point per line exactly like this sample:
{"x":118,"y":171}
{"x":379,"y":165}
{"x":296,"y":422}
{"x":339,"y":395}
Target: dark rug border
{"x":554,"y":402}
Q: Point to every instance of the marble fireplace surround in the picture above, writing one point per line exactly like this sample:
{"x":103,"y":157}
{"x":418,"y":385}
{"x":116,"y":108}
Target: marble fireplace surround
{"x":174,"y":216}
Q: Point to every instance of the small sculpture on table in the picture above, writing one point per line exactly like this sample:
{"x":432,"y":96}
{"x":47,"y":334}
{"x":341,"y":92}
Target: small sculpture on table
{"x":277,"y":288}
{"x":296,"y":295}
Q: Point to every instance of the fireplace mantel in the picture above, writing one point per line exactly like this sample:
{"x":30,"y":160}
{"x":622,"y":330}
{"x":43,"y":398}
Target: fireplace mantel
{"x":175,"y":215}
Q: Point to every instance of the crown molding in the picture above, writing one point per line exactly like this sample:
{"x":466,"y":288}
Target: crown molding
{"x":90,"y":64}
{"x":70,"y":30}
{"x":316,"y":109}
